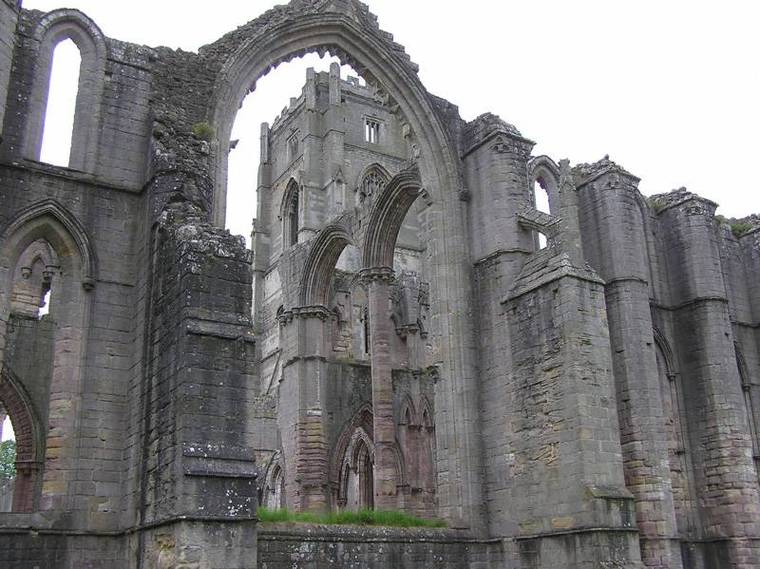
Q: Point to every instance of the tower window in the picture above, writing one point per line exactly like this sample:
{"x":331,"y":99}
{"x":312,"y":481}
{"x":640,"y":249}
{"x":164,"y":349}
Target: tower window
{"x":293,"y":147}
{"x":371,"y":131}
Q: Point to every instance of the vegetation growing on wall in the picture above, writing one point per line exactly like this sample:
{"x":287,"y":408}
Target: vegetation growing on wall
{"x":361,"y":518}
{"x":7,"y":459}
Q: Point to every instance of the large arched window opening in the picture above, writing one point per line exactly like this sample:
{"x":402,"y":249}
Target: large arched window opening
{"x":543,"y":176}
{"x":61,"y":104}
{"x":251,"y":159}
{"x":59,"y":35}
{"x":39,"y":239}
{"x":381,"y":63}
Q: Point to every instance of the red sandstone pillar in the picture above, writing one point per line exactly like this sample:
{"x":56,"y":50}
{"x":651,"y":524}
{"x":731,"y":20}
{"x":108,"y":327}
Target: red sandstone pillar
{"x":23,"y":489}
{"x":385,"y":467}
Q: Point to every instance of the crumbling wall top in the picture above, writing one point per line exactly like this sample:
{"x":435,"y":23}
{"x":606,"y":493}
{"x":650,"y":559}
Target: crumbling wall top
{"x":676,"y":197}
{"x":484,"y":127}
{"x":229,"y":44}
{"x":585,"y":173}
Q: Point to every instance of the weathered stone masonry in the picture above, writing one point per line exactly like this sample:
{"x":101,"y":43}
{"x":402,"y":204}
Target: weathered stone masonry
{"x":395,"y":338}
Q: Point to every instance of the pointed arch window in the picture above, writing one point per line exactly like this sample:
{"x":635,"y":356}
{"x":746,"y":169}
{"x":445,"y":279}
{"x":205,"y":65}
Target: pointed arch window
{"x":541,"y":201}
{"x":290,"y":216}
{"x":61,"y":104}
{"x":67,"y":40}
{"x":357,"y":490}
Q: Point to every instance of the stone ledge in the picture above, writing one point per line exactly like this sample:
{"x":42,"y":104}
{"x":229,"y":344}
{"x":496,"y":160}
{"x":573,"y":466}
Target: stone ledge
{"x":347,"y":533}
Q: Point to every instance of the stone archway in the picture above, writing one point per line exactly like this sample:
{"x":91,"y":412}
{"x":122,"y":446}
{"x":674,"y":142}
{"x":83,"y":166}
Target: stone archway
{"x":349,"y":31}
{"x":26,"y":428}
{"x":51,"y":222}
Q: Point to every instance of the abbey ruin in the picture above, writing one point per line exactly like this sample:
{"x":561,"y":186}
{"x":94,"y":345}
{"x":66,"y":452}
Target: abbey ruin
{"x":575,"y":388}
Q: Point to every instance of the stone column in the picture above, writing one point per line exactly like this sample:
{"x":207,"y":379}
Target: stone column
{"x":716,"y":417}
{"x":615,"y":242}
{"x":385,"y":467}
{"x":70,"y":309}
{"x":300,"y":416}
{"x":23,"y":486}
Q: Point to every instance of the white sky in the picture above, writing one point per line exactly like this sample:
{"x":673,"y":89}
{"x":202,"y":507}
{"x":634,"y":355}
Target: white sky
{"x":6,"y":430}
{"x":669,"y":89}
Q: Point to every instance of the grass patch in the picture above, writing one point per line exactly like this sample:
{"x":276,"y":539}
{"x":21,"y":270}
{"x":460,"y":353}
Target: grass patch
{"x":739,"y":228}
{"x":381,"y":518}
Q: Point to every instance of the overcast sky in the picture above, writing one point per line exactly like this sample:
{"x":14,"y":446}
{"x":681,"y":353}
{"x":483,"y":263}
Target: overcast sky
{"x":669,"y":89}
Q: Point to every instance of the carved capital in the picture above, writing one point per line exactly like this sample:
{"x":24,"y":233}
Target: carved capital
{"x":384,"y":274}
{"x":316,"y":311}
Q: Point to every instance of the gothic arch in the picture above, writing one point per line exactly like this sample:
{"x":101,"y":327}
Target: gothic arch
{"x":351,"y":33}
{"x":318,"y":269}
{"x":426,"y":409}
{"x":374,"y":166}
{"x":387,"y":215}
{"x":51,"y":29}
{"x":29,"y":442}
{"x":48,"y":220}
{"x":361,"y":419}
{"x":408,"y":408}
{"x":272,"y":492}
{"x":358,"y":460}
{"x":374,"y":173}
{"x":545,"y":171}
{"x":51,"y":221}
{"x":667,"y":352}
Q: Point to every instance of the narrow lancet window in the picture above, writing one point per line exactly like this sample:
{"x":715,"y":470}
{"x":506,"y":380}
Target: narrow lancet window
{"x":61,"y":104}
{"x":541,"y":197}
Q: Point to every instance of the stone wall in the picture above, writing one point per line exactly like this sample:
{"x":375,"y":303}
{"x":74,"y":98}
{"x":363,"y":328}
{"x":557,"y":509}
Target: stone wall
{"x":283,"y":546}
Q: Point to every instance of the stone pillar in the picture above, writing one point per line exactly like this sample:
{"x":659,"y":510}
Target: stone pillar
{"x":725,"y":477}
{"x":386,"y":463}
{"x":615,"y":243}
{"x":70,"y":304}
{"x":495,"y":159}
{"x":23,"y":486}
{"x":300,"y":416}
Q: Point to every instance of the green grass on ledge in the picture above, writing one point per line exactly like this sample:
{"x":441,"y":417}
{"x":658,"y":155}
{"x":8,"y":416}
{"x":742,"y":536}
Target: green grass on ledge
{"x":360,"y":518}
